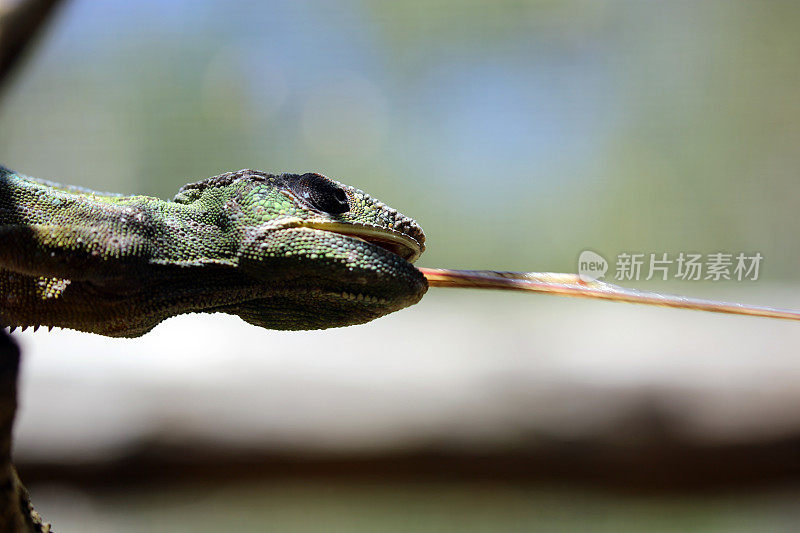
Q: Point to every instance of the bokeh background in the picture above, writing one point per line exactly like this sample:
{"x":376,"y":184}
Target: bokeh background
{"x":518,"y":134}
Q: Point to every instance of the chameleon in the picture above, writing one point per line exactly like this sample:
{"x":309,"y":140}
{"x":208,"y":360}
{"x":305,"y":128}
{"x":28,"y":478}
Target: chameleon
{"x":282,"y":251}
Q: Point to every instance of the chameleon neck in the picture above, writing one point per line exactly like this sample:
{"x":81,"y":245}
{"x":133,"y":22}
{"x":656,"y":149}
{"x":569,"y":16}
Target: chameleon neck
{"x":52,"y":230}
{"x":72,"y":256}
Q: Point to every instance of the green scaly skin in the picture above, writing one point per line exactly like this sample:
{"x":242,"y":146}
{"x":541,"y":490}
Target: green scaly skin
{"x":247,"y":243}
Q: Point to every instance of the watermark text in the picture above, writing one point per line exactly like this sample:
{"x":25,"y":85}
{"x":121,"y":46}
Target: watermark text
{"x":686,"y":266}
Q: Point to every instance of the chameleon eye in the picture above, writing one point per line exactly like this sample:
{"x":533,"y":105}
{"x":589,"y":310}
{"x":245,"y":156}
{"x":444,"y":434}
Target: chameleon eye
{"x":321,"y":193}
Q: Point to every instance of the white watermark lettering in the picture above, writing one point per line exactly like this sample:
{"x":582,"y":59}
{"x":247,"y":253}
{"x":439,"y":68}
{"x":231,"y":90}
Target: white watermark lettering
{"x":685,"y":266}
{"x":591,"y":266}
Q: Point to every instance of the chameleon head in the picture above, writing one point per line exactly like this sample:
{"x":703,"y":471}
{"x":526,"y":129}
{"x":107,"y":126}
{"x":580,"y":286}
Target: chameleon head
{"x":321,"y":253}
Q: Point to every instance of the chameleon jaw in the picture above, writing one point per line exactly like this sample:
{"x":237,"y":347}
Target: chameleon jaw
{"x":390,"y":240}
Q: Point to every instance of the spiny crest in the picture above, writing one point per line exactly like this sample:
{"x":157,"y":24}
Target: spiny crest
{"x":227,"y":178}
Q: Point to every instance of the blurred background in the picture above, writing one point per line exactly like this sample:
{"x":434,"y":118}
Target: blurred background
{"x":518,"y":134}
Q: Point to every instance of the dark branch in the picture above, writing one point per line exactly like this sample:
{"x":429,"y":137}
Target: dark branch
{"x":19,"y":23}
{"x":16,"y":511}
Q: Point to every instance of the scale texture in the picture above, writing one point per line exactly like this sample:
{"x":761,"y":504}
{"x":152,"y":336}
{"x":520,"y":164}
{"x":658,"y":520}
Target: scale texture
{"x":285,"y":251}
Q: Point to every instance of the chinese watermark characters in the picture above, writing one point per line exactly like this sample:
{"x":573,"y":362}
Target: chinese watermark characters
{"x":662,"y":266}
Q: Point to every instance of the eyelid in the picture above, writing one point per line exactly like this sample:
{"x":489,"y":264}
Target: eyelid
{"x":301,"y":202}
{"x":317,"y":193}
{"x":292,"y":195}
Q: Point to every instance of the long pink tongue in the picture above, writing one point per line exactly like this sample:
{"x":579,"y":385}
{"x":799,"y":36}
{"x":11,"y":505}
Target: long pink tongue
{"x":573,"y":285}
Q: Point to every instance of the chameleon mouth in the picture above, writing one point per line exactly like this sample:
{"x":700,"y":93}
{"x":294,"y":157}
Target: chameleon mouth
{"x":390,"y":240}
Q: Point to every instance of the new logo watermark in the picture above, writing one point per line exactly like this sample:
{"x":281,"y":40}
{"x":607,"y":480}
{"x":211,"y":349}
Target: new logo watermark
{"x":591,"y":266}
{"x":686,"y":266}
